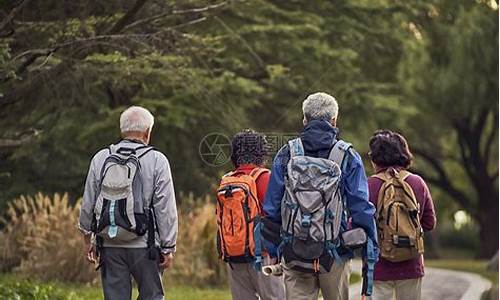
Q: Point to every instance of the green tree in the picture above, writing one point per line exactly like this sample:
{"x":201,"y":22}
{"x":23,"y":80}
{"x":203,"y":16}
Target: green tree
{"x":450,"y":73}
{"x":69,"y":69}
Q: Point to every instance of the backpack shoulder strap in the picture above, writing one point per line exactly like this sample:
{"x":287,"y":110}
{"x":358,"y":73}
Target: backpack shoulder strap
{"x":126,"y":150}
{"x":338,"y":152}
{"x":143,"y":150}
{"x":231,"y":173}
{"x":257,"y":172}
{"x":382,"y":176}
{"x":403,"y":174}
{"x":392,"y":173}
{"x":296,"y":147}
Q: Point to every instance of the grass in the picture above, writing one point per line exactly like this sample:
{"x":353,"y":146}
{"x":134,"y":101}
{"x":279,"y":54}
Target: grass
{"x":173,"y":292}
{"x":467,"y":265}
{"x":14,"y":287}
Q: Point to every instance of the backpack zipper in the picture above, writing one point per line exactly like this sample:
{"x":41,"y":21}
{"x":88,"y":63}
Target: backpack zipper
{"x":247,"y":234}
{"x":232,"y":221}
{"x":223,"y":242}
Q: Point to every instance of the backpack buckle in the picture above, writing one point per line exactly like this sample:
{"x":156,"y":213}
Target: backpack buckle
{"x":329,"y":216}
{"x":306,"y":221}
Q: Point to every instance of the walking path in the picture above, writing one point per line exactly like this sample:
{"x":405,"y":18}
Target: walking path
{"x":439,"y":284}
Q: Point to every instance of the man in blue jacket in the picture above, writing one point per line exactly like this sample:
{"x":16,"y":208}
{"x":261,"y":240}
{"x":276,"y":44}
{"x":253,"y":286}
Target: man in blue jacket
{"x":318,"y":138}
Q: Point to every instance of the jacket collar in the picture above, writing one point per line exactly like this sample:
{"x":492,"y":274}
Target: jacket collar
{"x":318,"y":135}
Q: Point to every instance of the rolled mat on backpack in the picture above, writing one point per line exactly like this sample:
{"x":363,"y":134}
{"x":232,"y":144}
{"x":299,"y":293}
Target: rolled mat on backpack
{"x":275,"y":270}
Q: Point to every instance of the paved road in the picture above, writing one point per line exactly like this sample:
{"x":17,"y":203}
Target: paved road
{"x":440,"y":284}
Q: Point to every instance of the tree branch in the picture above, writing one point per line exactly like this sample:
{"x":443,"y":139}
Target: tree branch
{"x":457,"y":195}
{"x":28,"y":86}
{"x":443,"y":180}
{"x":171,"y":12}
{"x":200,"y":9}
{"x":127,"y":18}
{"x":244,"y":42}
{"x":6,"y":21}
{"x":22,"y":139}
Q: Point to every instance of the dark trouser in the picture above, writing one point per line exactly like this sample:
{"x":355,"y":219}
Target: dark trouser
{"x":120,"y":265}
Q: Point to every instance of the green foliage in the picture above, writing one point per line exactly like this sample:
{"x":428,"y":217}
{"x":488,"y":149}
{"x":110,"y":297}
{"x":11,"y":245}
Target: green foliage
{"x":249,"y":66}
{"x":428,"y":69}
{"x":449,"y":73}
{"x":14,"y":288}
{"x":31,"y":291}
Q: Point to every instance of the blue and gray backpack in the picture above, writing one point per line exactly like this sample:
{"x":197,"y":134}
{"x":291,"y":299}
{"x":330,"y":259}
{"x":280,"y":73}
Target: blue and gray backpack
{"x":312,"y":209}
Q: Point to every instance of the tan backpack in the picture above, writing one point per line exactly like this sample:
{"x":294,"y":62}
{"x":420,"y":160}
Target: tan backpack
{"x":398,"y":218}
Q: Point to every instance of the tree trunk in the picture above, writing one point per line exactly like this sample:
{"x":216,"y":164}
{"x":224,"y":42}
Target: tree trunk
{"x":488,"y":223}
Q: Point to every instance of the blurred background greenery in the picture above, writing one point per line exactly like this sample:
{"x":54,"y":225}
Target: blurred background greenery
{"x":428,"y":69}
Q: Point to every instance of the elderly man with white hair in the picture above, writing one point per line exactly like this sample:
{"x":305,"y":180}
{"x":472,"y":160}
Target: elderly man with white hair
{"x":129,"y":215}
{"x":300,"y":211}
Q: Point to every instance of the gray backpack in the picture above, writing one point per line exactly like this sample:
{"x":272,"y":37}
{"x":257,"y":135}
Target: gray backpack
{"x":121,"y":213}
{"x":312,"y":208}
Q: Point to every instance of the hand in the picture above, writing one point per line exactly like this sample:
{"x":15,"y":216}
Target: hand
{"x":166,"y":261}
{"x":90,"y":252}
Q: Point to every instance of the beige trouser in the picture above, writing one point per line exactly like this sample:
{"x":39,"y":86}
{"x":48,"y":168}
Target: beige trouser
{"x":408,"y":289}
{"x":334,"y":285}
{"x":248,"y":284}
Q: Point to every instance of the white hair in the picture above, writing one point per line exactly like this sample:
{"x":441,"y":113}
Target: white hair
{"x":320,"y":106}
{"x":136,"y":118}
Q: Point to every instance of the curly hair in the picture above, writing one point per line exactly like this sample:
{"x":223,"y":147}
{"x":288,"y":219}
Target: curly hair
{"x":248,"y":147}
{"x":390,"y":149}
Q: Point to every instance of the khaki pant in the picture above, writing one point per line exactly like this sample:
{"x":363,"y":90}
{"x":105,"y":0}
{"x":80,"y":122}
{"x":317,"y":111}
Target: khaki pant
{"x":408,"y":289}
{"x":248,"y":284}
{"x":334,"y":285}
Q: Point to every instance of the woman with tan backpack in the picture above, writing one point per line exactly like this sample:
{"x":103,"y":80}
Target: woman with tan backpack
{"x":404,"y":211}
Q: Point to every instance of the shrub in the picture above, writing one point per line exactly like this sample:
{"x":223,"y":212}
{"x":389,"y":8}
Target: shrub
{"x":40,"y":240}
{"x":32,"y":291}
{"x":196,"y":261}
{"x":466,"y":237}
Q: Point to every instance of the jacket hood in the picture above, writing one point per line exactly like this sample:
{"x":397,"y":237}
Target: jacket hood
{"x":318,"y":136}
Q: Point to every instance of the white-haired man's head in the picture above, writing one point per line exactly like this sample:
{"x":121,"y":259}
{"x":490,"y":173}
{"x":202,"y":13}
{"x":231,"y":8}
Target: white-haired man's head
{"x":320,"y":106}
{"x":136,"y":123}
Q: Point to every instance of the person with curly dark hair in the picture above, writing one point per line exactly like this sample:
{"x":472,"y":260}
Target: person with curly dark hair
{"x":391,"y":157}
{"x":389,"y":149}
{"x":248,"y":147}
{"x":248,"y":150}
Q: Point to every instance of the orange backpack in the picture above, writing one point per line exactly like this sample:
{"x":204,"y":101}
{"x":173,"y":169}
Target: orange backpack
{"x":237,"y":211}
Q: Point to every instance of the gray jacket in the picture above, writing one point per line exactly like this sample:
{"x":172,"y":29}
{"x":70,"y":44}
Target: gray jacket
{"x":157,"y":185}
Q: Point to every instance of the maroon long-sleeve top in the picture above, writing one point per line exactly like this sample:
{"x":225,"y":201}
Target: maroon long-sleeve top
{"x":414,"y":268}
